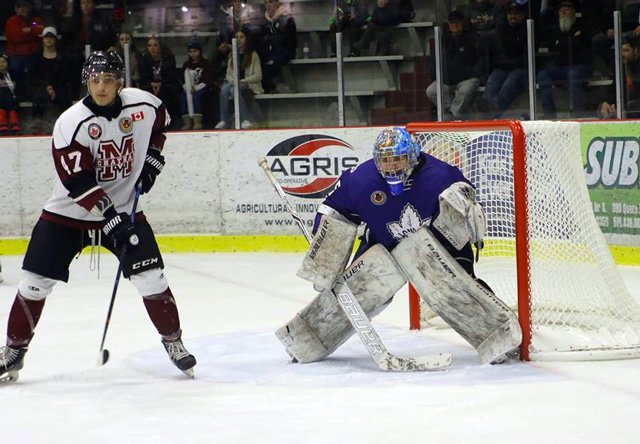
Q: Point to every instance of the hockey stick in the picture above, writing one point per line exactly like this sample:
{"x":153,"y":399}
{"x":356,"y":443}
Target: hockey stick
{"x":103,"y":355}
{"x":356,"y":315}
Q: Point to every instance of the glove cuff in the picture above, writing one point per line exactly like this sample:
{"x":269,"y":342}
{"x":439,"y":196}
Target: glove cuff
{"x":110,"y":212}
{"x":103,"y":207}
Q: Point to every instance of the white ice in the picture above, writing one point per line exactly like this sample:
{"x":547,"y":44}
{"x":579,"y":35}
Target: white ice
{"x":246,"y":389}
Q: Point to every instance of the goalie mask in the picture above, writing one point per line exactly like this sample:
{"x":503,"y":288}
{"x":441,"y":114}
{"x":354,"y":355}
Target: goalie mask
{"x":103,"y":62}
{"x":395,"y":154}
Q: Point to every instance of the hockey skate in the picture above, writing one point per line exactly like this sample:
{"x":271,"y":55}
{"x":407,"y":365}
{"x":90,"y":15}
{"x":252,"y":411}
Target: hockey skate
{"x":179,"y":355}
{"x":11,"y":362}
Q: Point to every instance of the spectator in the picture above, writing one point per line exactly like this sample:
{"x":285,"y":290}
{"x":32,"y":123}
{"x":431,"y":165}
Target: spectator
{"x":9,"y":122}
{"x":250,"y":76}
{"x":238,"y":16}
{"x":631,"y":62}
{"x":385,"y":15}
{"x":86,"y":26}
{"x":6,"y":11}
{"x":277,"y":42}
{"x":508,"y":54}
{"x":125,"y":37}
{"x":599,"y":15}
{"x":22,"y":31}
{"x":349,"y":19}
{"x":93,"y":28}
{"x":48,"y":76}
{"x":463,"y":66}
{"x":484,"y":16}
{"x":198,"y":78}
{"x":158,"y":75}
{"x":631,"y":17}
{"x":571,"y":43}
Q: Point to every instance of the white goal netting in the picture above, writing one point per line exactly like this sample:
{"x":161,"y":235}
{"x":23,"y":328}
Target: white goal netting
{"x":577,"y":300}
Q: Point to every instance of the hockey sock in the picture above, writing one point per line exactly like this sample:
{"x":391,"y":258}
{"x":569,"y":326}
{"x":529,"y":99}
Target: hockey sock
{"x":163,"y":312}
{"x":23,"y":318}
{"x":3,"y":121}
{"x":14,"y":120}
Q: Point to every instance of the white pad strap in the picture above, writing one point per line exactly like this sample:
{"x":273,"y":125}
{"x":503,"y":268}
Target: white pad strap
{"x":328,"y":253}
{"x":461,"y":219}
{"x":34,"y":287}
{"x":461,"y":301}
{"x":150,"y":282}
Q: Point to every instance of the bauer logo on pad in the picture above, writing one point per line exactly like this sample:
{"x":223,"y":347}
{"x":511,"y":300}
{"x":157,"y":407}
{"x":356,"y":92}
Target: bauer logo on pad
{"x":309,"y":166}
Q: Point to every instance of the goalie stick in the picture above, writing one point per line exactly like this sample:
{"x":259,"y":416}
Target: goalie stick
{"x":356,"y":315}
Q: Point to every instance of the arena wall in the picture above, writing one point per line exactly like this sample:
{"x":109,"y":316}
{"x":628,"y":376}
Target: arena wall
{"x":212,"y":196}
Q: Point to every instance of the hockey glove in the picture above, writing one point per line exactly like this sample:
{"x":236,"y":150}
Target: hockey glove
{"x":153,"y":164}
{"x":121,"y":231}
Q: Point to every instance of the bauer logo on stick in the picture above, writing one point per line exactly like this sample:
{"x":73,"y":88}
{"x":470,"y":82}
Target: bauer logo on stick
{"x":308,"y":166}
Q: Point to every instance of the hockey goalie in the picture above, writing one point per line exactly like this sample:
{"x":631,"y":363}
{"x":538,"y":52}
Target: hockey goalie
{"x":421,"y":219}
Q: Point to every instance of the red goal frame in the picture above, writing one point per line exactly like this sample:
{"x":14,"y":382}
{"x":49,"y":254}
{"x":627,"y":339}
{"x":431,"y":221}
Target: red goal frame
{"x":520,"y":205}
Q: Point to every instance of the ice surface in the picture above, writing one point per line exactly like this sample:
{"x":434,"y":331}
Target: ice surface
{"x":247,"y":391}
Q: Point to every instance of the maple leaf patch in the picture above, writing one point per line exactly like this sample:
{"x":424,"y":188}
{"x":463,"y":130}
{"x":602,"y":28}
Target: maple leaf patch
{"x":410,"y":221}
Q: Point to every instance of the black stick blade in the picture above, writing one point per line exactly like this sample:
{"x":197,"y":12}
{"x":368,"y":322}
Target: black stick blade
{"x":103,"y":357}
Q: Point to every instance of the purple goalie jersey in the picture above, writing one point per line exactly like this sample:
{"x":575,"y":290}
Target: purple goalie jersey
{"x":362,"y":195}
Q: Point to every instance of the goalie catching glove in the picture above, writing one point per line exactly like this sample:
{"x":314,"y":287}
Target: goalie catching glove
{"x":153,"y":165}
{"x":461,"y":219}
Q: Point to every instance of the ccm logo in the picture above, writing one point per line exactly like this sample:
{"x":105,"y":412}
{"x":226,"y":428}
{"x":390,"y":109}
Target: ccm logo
{"x":145,"y":263}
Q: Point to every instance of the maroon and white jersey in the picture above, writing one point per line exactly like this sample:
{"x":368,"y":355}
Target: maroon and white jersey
{"x":96,"y":156}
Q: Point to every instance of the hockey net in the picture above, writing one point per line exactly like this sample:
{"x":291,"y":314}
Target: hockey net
{"x":544,"y":254}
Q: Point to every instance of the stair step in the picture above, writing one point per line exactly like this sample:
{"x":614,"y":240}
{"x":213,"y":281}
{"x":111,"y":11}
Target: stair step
{"x":412,"y":80}
{"x":421,"y":65}
{"x":386,"y":116}
{"x":418,"y":116}
{"x":411,"y":100}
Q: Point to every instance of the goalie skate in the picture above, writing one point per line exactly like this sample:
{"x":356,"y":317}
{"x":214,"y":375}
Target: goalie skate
{"x":11,"y":362}
{"x":180,"y":356}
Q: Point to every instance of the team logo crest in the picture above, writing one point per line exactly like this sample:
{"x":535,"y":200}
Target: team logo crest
{"x":95,"y":131}
{"x":410,"y":221}
{"x":126,"y":125}
{"x":378,"y":198}
{"x":309,"y":166}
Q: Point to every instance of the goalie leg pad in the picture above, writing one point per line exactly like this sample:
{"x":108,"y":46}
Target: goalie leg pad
{"x":462,"y":302}
{"x":328,"y":253}
{"x":300,"y":340}
{"x":321,"y":327}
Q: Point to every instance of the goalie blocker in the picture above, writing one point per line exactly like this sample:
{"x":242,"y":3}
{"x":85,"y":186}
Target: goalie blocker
{"x":328,"y":253}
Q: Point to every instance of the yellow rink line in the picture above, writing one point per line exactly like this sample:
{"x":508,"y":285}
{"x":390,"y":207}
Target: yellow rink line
{"x":623,"y":255}
{"x":199,"y":244}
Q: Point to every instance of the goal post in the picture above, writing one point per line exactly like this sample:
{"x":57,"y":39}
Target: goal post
{"x":544,"y":254}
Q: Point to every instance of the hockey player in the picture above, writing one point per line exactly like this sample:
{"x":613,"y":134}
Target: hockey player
{"x":421,"y":220}
{"x":102,"y":147}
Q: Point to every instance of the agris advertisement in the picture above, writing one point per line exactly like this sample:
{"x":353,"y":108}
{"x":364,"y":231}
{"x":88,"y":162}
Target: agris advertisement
{"x":307,"y":165}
